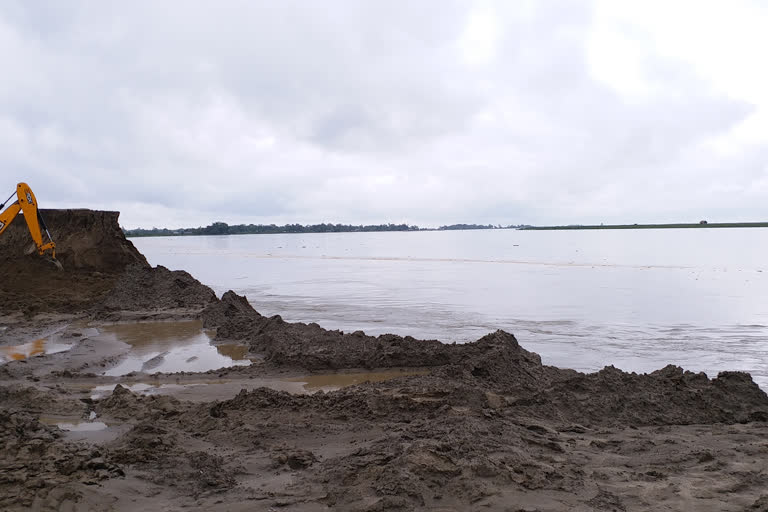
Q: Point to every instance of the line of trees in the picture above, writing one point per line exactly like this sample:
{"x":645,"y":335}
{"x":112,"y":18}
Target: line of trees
{"x":222,"y":228}
{"x":468,"y":226}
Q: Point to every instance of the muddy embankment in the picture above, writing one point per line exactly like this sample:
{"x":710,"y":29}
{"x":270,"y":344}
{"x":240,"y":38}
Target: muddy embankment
{"x":484,"y":426}
{"x":104,"y":275}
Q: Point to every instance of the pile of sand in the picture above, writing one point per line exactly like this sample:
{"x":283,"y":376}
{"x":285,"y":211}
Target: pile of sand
{"x":85,"y":240}
{"x":103,"y":273}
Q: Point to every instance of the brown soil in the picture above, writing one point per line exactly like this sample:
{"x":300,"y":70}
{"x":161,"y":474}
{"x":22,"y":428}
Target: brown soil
{"x":486,"y":427}
{"x":91,"y":248}
{"x":142,"y":293}
{"x":85,"y":240}
{"x":103,"y":276}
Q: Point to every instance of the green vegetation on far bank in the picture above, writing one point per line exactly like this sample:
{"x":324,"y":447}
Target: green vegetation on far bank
{"x":222,"y":228}
{"x":702,"y":224}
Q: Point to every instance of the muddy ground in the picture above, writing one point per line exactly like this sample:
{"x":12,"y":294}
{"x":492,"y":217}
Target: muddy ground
{"x":479,"y":426}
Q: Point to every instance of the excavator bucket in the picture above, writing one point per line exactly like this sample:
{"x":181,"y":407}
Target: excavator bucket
{"x":56,"y":262}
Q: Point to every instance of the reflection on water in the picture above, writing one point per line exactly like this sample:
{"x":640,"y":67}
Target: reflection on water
{"x":169,"y":347}
{"x":233,"y":351}
{"x":148,"y":336}
{"x":83,"y":426}
{"x":31,"y":349}
{"x":334,"y":381}
{"x":77,"y":429}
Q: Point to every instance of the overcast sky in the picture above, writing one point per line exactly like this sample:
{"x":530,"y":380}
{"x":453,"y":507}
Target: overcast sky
{"x":181,"y":113}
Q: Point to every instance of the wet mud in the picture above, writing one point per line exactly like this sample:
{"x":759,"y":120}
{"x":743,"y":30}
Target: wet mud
{"x":329,"y":420}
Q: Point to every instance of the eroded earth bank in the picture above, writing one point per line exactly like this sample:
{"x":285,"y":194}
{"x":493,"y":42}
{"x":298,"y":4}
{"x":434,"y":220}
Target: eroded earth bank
{"x":479,"y":426}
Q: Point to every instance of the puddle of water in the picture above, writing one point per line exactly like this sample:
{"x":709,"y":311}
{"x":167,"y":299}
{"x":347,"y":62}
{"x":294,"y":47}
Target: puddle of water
{"x":74,"y":424}
{"x":83,"y":426}
{"x":236,"y":352}
{"x":78,"y":429}
{"x":31,"y":349}
{"x":170,"y":347}
{"x":223,"y":389}
{"x":143,"y":388}
{"x":334,"y":381}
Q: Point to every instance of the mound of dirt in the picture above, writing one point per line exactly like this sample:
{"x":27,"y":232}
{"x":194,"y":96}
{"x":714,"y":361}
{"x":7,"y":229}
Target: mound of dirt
{"x":311,"y":347}
{"x":32,"y":285}
{"x":670,"y":396}
{"x":148,"y":290}
{"x":85,"y":239}
{"x":36,"y":465}
{"x":497,"y":362}
{"x":124,"y":404}
{"x":156,"y":449}
{"x":498,"y":365}
{"x":92,"y":249}
{"x":159,"y":450}
{"x":104,"y":274}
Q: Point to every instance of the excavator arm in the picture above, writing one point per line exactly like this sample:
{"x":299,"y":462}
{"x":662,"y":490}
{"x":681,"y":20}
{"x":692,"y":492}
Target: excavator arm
{"x":26,"y":203}
{"x":8,"y":215}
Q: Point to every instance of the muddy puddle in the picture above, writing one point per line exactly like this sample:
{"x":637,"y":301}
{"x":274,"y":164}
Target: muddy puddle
{"x":35,"y":348}
{"x":74,"y":424}
{"x":76,"y":428}
{"x":334,"y":381}
{"x":171,"y":347}
{"x":203,"y":390}
{"x":83,"y":426}
{"x":223,"y":389}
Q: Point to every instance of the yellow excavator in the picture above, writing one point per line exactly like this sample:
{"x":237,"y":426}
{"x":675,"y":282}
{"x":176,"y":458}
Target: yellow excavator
{"x":26,"y":203}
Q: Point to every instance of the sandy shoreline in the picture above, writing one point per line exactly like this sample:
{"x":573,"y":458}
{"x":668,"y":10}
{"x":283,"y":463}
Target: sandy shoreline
{"x":479,"y":426}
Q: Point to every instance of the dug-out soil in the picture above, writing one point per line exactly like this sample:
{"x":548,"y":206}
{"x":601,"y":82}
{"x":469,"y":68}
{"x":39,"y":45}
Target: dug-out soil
{"x":483,"y":426}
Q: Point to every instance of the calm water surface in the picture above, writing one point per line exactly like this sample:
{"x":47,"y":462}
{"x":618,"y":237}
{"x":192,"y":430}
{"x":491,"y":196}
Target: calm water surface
{"x":637,"y":299}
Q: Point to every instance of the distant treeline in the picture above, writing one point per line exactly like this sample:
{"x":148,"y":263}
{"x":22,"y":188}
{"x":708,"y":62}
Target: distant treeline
{"x":222,"y":228}
{"x":702,"y":224}
{"x":469,"y":226}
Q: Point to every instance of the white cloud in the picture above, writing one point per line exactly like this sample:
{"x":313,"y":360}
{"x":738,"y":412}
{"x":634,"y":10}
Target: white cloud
{"x":182,"y":113}
{"x":479,"y":40}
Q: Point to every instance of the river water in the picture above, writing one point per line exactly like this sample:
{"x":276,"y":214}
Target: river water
{"x":636,"y":299}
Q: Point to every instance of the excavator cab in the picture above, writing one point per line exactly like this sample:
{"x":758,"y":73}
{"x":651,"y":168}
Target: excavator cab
{"x":26,"y":203}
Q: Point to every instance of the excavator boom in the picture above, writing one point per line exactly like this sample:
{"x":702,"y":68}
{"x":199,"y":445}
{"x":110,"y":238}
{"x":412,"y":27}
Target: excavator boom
{"x":26,"y":203}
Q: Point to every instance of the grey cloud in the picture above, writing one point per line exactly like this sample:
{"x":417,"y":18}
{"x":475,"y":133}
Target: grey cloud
{"x":343,"y":111}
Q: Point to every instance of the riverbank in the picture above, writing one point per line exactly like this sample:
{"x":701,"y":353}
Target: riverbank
{"x":698,"y":225}
{"x":482,"y":425}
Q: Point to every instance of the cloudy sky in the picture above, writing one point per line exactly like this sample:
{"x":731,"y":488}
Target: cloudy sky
{"x":180,"y":113}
